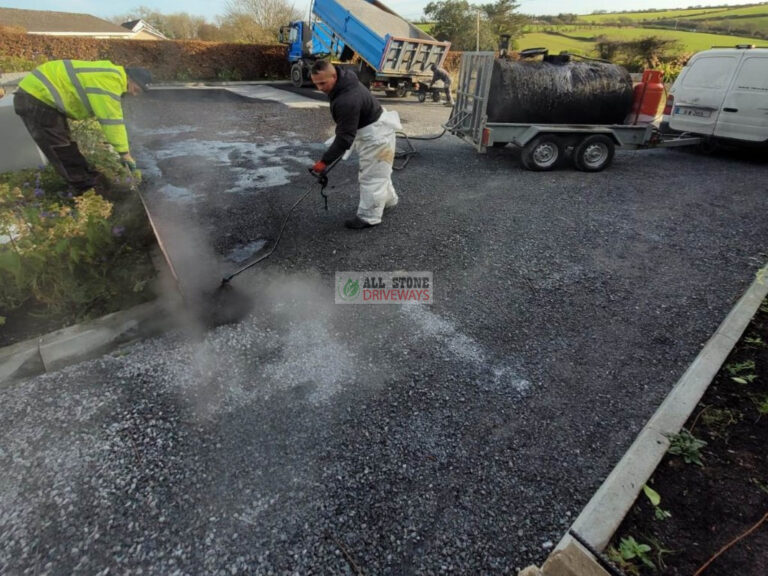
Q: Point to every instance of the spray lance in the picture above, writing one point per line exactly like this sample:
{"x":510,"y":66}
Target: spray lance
{"x":322,"y":180}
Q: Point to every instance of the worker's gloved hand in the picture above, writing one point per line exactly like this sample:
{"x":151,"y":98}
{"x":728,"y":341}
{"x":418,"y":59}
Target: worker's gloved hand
{"x":128,"y":161}
{"x":319,"y":167}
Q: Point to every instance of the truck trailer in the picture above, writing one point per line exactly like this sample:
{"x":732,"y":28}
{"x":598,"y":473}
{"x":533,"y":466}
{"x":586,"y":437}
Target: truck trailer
{"x":387,"y":51}
{"x":721,"y":95}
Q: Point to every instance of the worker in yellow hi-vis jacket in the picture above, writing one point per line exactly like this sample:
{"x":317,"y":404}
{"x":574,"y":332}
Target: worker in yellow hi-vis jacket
{"x":77,"y":89}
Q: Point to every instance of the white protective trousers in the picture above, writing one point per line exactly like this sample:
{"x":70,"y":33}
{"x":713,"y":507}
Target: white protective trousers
{"x":375,"y":145}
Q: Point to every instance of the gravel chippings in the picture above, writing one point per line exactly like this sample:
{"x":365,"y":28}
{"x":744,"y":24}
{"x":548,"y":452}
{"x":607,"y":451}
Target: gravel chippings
{"x":462,"y":437}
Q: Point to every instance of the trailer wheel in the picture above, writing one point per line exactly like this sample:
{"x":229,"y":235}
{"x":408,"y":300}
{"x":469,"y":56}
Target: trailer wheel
{"x":435,"y":96}
{"x":297,"y":75}
{"x":542,"y":153}
{"x":594,"y":153}
{"x":422,"y":97}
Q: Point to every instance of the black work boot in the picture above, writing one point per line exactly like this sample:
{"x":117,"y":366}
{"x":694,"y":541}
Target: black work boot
{"x":357,"y":224}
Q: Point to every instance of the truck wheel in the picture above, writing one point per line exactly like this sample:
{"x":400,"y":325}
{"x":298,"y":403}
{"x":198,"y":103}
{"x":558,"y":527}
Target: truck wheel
{"x":594,"y":153}
{"x":435,"y":96}
{"x":422,"y":97}
{"x":542,"y":153}
{"x":297,"y":75}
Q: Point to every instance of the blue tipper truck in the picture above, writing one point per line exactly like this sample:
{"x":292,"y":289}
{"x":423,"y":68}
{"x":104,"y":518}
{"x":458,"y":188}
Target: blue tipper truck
{"x":387,"y":51}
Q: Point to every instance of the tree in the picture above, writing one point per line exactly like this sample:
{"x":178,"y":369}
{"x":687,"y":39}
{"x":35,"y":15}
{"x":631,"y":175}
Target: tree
{"x":568,"y":18}
{"x":182,"y":25}
{"x":503,"y":19}
{"x":243,"y":28}
{"x":210,"y":33}
{"x":267,"y":15}
{"x":456,"y":22}
{"x":177,"y":26}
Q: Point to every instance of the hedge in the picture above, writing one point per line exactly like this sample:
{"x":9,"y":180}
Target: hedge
{"x":167,"y":59}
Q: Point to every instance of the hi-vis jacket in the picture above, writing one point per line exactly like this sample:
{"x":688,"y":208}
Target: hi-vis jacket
{"x":81,"y":89}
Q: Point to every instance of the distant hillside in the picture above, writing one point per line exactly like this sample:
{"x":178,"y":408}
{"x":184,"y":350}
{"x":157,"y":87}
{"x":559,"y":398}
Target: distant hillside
{"x":747,"y":20}
{"x":582,"y":39}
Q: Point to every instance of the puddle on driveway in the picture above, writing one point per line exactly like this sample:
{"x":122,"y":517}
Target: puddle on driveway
{"x":235,"y":166}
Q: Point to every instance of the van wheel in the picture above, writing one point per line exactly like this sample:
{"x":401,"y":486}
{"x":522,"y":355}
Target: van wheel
{"x":297,"y":75}
{"x":594,"y":153}
{"x":542,"y":153}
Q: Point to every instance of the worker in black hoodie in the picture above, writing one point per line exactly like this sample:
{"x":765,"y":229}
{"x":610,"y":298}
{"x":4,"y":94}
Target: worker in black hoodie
{"x":364,"y":126}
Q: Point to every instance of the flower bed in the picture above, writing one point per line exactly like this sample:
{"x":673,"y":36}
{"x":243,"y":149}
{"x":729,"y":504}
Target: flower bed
{"x":65,"y":259}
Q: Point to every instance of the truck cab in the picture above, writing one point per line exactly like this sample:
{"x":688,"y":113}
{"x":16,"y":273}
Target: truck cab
{"x":295,"y":35}
{"x":722,"y":93}
{"x":308,"y":42}
{"x":385,"y":49}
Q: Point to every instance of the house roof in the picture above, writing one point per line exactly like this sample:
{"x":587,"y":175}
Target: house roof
{"x":140,"y":25}
{"x":65,"y":23}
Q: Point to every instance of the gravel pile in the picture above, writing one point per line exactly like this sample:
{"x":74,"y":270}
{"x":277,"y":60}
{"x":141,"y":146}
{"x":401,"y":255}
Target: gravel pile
{"x":381,"y":21}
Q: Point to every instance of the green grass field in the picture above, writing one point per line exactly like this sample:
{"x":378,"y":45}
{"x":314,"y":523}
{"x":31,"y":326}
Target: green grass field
{"x":581,"y":39}
{"x":722,"y":13}
{"x":643,"y":16}
{"x":555,"y":44}
{"x":757,"y":9}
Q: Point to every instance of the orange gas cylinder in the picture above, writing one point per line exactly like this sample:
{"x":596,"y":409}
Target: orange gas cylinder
{"x":648,"y":99}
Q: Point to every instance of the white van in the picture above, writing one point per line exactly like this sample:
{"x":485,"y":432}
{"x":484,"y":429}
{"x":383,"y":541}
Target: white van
{"x":722,"y":93}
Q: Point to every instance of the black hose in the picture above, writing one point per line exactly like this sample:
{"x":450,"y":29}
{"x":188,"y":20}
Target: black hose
{"x":407,"y":154}
{"x":245,"y":267}
{"x":410,"y":151}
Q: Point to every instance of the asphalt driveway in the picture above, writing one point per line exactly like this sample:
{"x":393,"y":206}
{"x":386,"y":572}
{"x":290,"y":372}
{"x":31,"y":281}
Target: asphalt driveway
{"x":312,"y":438}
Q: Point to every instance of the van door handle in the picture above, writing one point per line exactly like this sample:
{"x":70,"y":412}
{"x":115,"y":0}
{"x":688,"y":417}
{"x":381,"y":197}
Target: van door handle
{"x":730,"y":109}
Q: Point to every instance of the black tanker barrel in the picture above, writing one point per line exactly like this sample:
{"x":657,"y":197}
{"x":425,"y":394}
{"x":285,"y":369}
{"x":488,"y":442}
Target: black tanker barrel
{"x":559,"y":93}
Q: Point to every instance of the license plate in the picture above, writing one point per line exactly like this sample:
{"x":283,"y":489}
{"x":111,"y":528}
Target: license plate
{"x":698,"y":112}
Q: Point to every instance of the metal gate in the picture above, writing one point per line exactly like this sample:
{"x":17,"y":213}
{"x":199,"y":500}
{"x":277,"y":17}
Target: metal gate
{"x":468,"y":117}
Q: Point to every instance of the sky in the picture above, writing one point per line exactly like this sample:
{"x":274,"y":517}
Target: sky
{"x":408,"y":8}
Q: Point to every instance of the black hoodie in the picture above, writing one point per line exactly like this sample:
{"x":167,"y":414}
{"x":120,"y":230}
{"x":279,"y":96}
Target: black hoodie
{"x":352,"y":107}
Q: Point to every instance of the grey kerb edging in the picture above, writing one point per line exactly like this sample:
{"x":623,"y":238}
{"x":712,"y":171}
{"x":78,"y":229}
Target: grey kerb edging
{"x":82,"y":341}
{"x":603,"y":514}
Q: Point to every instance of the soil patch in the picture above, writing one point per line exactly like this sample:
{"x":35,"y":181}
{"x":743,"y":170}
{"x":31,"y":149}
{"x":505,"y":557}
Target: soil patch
{"x":714,"y":504}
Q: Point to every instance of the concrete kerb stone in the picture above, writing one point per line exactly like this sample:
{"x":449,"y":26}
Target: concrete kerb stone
{"x":82,"y":341}
{"x":20,"y":360}
{"x":573,"y":560}
{"x":603,"y":514}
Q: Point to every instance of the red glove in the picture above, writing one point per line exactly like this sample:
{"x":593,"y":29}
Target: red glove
{"x":319,"y":167}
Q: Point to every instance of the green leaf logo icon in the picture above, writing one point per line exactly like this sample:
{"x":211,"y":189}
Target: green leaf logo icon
{"x":351,"y":289}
